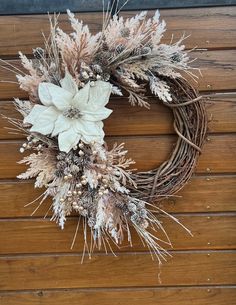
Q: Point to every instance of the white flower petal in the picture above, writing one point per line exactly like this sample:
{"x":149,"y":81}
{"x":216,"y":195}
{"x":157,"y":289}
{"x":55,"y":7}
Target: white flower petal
{"x":34,"y":113}
{"x":90,"y":139}
{"x":45,"y":121}
{"x":69,"y":84}
{"x":60,"y":97}
{"x":80,"y":100}
{"x":100,"y":124}
{"x":99,"y":115}
{"x":88,"y":128}
{"x":44,"y":95}
{"x":62,"y":124}
{"x":99,"y":95}
{"x":68,"y":139}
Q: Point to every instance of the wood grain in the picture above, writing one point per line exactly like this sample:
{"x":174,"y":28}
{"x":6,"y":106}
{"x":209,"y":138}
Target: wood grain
{"x":36,"y":263}
{"x":203,"y":24}
{"x":202,"y":194}
{"x":44,"y":236}
{"x":218,"y":154}
{"x":137,"y":296}
{"x":128,"y":120}
{"x":218,"y":70}
{"x":126,"y":270}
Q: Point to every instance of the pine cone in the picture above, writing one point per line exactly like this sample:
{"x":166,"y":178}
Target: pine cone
{"x":149,"y":44}
{"x":102,"y":58}
{"x":59,"y":173}
{"x":136,"y":52}
{"x":97,"y":69}
{"x":176,"y":57}
{"x":91,"y":222}
{"x":61,"y":165}
{"x":75,"y":169}
{"x":38,"y":53}
{"x":61,"y":156}
{"x":105,"y":77}
{"x":105,"y":46}
{"x":143,"y":213}
{"x":76,"y":160}
{"x":136,"y":218}
{"x":125,"y":32}
{"x":120,"y":48}
{"x":145,"y":50}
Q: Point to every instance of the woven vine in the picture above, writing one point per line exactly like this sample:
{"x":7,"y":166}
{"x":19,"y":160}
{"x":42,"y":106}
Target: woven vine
{"x":190,"y":125}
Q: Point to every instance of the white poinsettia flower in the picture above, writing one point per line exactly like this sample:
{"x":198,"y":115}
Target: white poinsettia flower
{"x":71,"y":114}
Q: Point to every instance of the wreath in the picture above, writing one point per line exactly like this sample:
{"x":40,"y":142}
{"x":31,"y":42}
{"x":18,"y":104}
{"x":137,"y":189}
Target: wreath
{"x":69,"y":83}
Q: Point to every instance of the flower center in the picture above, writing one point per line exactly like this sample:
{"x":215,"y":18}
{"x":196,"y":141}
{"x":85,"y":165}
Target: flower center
{"x":72,"y":113}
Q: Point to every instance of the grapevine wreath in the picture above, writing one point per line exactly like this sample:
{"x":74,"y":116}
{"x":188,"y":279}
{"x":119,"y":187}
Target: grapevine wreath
{"x":69,"y":83}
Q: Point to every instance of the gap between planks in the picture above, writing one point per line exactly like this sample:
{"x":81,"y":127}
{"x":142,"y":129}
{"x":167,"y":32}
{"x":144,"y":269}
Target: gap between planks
{"x":125,"y":253}
{"x":100,"y":289}
{"x":72,"y":217}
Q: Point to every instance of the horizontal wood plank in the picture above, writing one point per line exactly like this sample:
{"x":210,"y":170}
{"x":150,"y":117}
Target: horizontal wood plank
{"x":36,"y":263}
{"x":126,"y":270}
{"x":44,"y":236}
{"x":137,"y":296}
{"x":221,"y":113}
{"x":218,"y":154}
{"x":204,"y":194}
{"x":217,"y":67}
{"x":201,"y":194}
{"x":203,"y":24}
{"x":129,"y":120}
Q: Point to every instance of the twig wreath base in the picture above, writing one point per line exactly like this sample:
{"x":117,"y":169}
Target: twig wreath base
{"x":69,"y":83}
{"x":190,"y":124}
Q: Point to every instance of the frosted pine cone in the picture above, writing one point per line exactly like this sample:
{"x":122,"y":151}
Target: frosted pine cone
{"x":120,"y":48}
{"x":97,"y":69}
{"x":125,"y":32}
{"x":38,"y":53}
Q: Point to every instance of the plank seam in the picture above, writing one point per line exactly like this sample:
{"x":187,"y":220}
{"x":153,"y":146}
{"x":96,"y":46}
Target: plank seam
{"x":206,"y":93}
{"x":195,"y":176}
{"x":115,"y":288}
{"x":179,"y":214}
{"x":121,"y":254}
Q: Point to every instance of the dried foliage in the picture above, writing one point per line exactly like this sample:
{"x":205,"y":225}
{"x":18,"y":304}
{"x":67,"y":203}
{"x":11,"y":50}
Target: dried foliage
{"x":91,"y":180}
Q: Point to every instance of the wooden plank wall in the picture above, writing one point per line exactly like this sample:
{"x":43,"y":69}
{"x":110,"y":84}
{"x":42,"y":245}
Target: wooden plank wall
{"x":36,"y":263}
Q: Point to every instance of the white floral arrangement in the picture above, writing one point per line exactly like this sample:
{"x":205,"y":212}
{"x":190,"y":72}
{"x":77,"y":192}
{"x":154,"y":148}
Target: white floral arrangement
{"x":69,"y":83}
